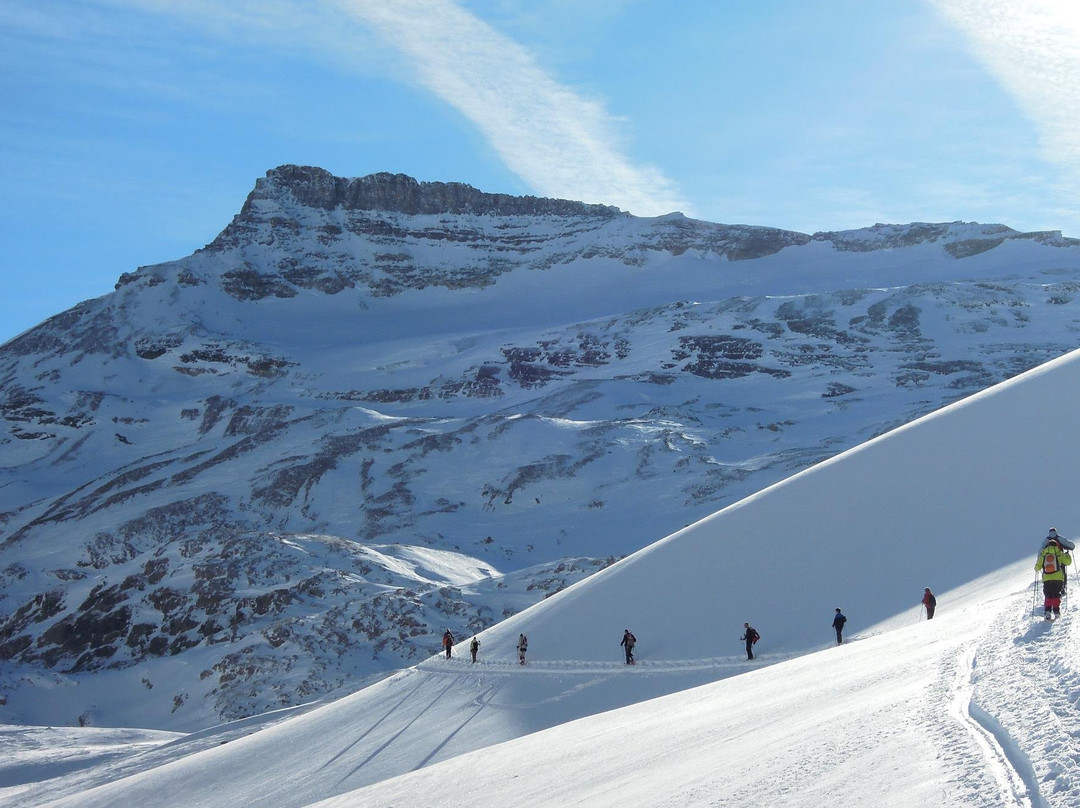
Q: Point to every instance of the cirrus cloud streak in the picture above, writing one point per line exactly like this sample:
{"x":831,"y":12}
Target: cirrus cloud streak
{"x":1032,"y":47}
{"x":559,"y":142}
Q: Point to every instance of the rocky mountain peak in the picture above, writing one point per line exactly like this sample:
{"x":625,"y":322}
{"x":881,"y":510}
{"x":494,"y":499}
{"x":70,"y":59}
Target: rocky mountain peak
{"x":295,"y":457}
{"x":318,"y":188}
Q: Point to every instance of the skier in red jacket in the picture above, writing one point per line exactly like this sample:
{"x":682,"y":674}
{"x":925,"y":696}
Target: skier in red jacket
{"x":930,"y":602}
{"x":447,"y":642}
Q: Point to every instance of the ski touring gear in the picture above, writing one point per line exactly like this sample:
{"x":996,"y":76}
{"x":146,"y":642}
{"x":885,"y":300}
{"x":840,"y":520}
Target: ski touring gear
{"x":1053,"y":559}
{"x":1049,"y":563}
{"x":522,"y":647}
{"x":474,"y":646}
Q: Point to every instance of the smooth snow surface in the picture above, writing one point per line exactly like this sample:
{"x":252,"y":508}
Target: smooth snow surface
{"x":977,"y":707}
{"x":888,"y":720}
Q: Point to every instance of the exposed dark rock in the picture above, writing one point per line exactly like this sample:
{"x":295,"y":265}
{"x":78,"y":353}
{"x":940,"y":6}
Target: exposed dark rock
{"x":317,"y":188}
{"x":250,"y":284}
{"x":835,"y":390}
{"x":970,"y":247}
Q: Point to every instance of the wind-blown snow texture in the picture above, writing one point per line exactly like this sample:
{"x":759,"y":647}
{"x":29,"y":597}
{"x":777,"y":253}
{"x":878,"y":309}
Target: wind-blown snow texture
{"x":371,"y":409}
{"x":977,"y":707}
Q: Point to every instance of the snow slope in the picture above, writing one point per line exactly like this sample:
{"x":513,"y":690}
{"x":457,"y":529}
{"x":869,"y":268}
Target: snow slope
{"x":975,"y":708}
{"x":898,"y":719}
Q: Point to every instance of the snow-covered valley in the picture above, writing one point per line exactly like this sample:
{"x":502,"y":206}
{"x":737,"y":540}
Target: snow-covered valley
{"x":977,"y":707}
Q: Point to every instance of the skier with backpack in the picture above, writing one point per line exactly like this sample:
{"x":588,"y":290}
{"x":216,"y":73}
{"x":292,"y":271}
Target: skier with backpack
{"x":838,"y":624}
{"x":628,"y":642}
{"x":522,"y":647}
{"x":930,"y":602}
{"x":474,"y":646}
{"x":751,"y":636}
{"x":1052,"y":561}
{"x":447,"y":642}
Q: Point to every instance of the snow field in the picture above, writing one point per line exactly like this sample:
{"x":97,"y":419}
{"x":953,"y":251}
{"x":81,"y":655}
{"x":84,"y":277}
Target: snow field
{"x":876,"y":721}
{"x":977,"y":707}
{"x":879,"y":720}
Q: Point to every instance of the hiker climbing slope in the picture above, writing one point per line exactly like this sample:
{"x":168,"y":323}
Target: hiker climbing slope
{"x":838,"y":625}
{"x":447,"y":642}
{"x":628,"y":643}
{"x":751,"y":636}
{"x":930,"y":602}
{"x":1052,"y":561}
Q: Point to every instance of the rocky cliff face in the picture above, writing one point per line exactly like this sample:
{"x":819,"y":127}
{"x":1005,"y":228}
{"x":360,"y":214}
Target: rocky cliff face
{"x":397,"y":193}
{"x":374,"y":408}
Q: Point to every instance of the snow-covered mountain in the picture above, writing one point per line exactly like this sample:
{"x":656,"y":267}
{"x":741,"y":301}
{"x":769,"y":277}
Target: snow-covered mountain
{"x":976,"y":707}
{"x":375,"y":408}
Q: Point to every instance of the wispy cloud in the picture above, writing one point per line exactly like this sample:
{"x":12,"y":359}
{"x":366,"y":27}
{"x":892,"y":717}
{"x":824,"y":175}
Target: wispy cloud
{"x":1032,"y":47}
{"x":558,"y":141}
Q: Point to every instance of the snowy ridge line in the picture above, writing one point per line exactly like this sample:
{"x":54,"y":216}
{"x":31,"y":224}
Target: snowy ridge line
{"x":1006,"y":763}
{"x":463,"y":666}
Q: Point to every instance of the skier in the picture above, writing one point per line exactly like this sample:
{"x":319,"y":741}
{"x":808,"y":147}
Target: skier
{"x":838,"y":624}
{"x":522,"y":647}
{"x":474,"y":646}
{"x":1052,"y":534}
{"x":628,"y":641}
{"x":751,"y":636}
{"x":1052,"y":561}
{"x":447,"y":642}
{"x":930,"y":602}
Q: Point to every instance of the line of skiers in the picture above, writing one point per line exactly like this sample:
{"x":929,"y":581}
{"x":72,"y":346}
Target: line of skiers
{"x":474,"y":646}
{"x":1053,"y":558}
{"x":750,"y":634}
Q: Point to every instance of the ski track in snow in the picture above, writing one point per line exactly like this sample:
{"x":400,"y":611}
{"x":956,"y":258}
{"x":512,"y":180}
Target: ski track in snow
{"x":1027,"y":687}
{"x":1001,"y":712}
{"x":1014,"y":694}
{"x":1009,"y":767}
{"x":454,"y":665}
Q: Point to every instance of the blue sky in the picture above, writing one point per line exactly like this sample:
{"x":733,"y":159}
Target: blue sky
{"x":132,"y":130}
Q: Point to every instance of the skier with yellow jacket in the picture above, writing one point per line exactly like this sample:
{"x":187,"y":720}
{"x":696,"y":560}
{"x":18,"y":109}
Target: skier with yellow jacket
{"x":1052,"y":561}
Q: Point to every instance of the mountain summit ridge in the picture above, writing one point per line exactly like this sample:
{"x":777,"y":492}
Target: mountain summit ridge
{"x":386,"y":192}
{"x":400,"y":193}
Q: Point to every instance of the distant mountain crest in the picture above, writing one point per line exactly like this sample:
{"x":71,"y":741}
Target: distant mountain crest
{"x":958,"y":239}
